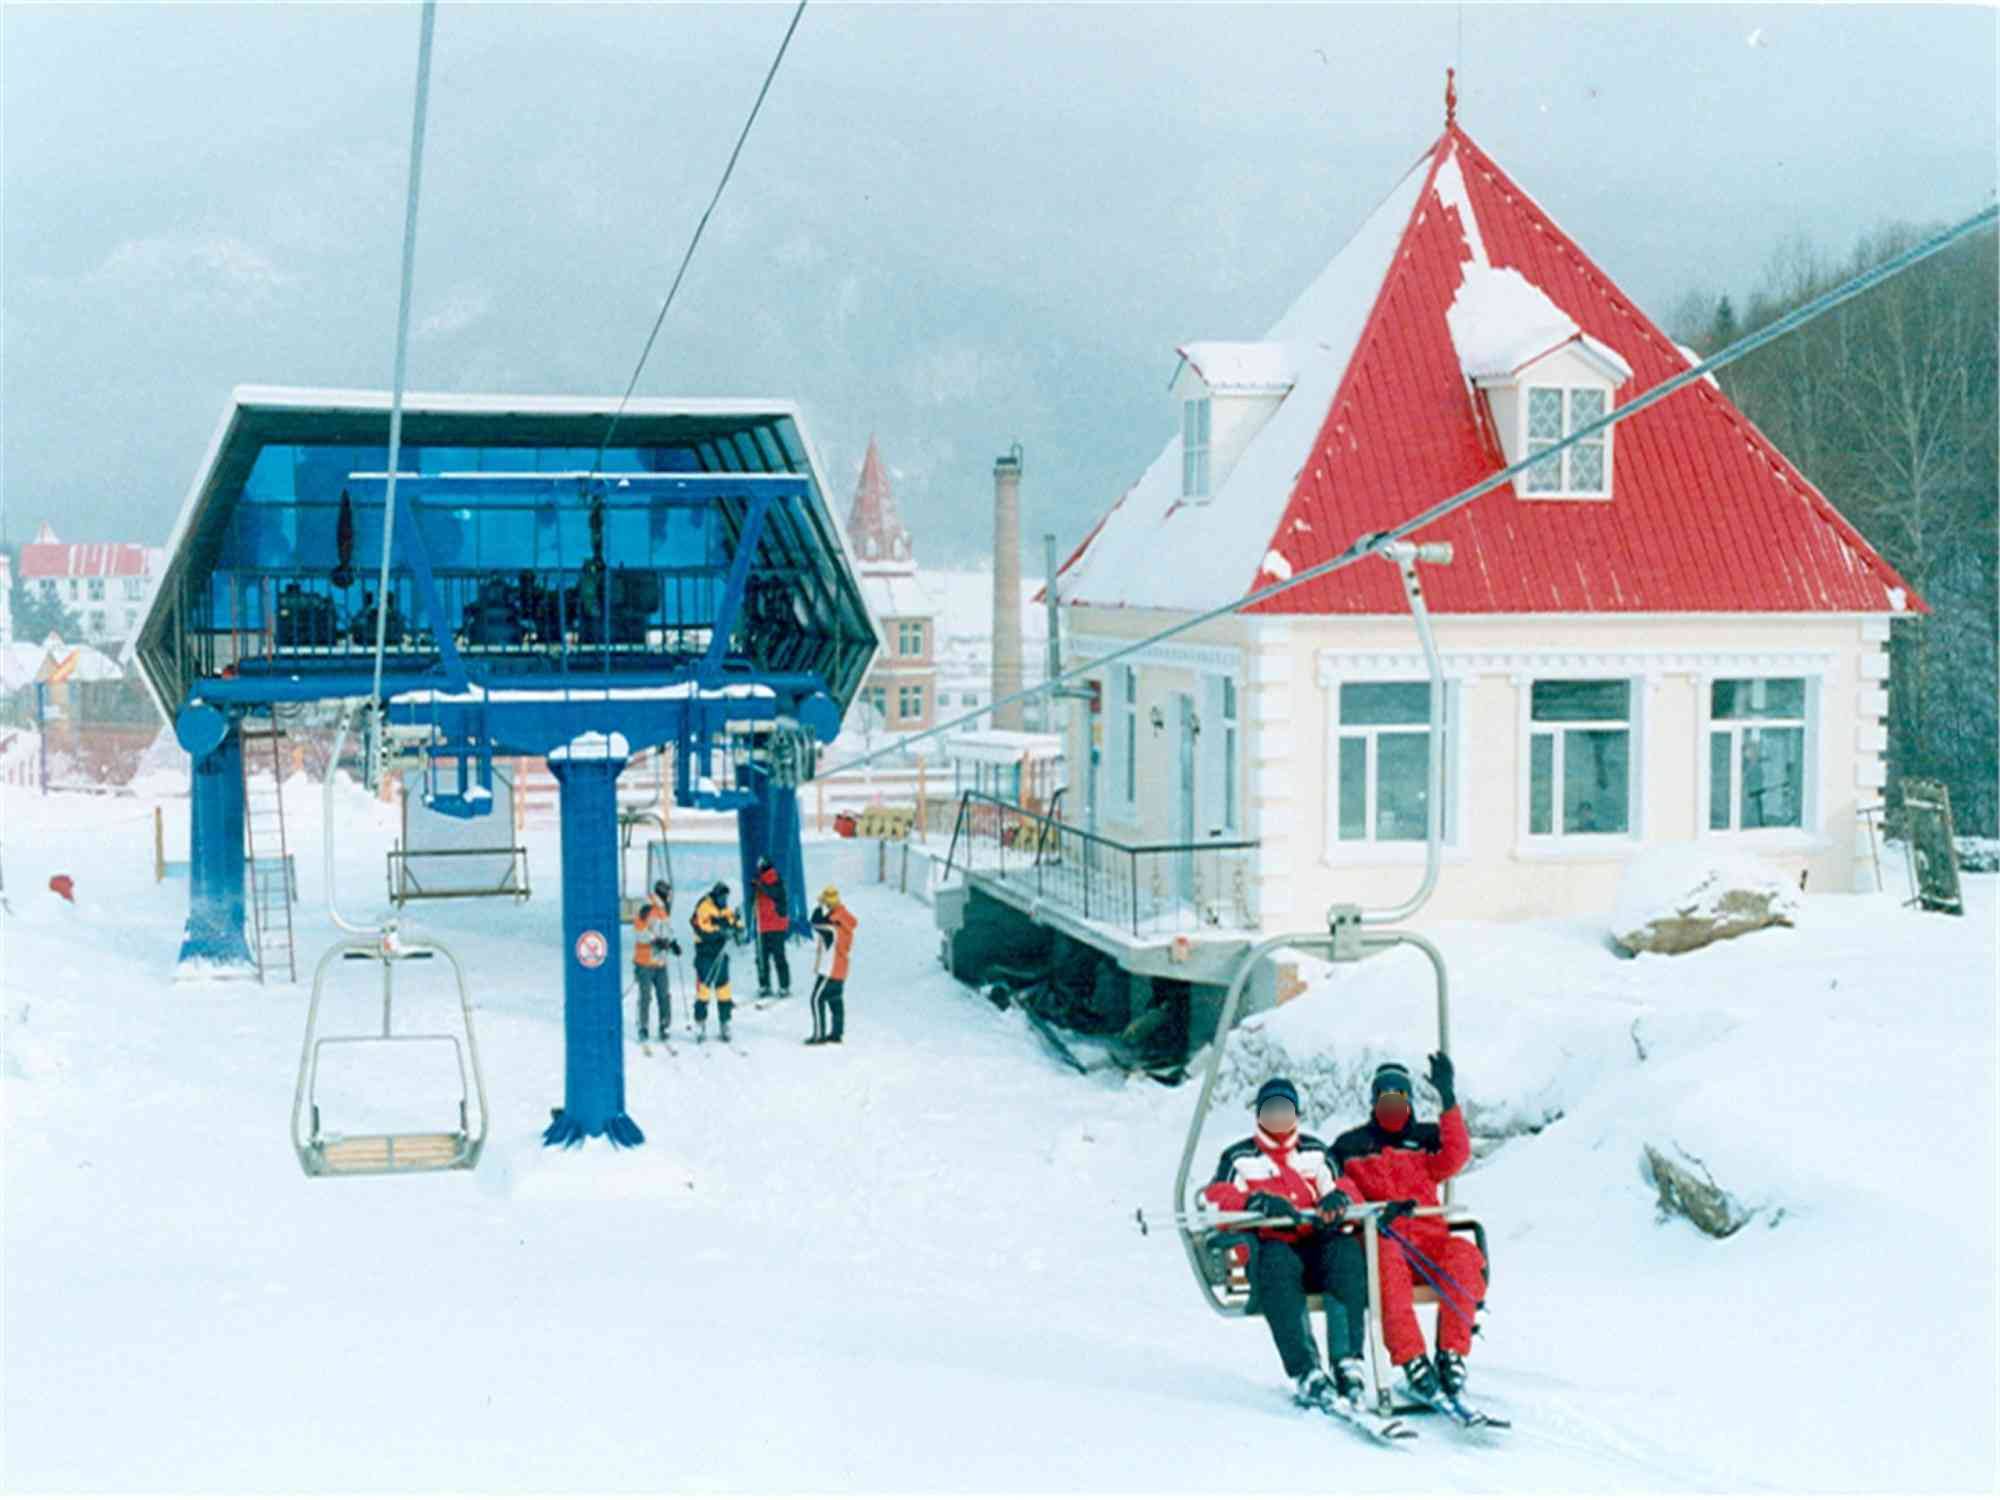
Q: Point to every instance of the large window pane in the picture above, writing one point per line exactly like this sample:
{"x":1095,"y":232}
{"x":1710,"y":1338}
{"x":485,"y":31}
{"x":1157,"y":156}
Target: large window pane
{"x":1541,"y":783}
{"x":1586,"y":405}
{"x":1758,"y":698}
{"x":1545,"y":477}
{"x":1385,"y":703}
{"x":1719,"y":789}
{"x":1545,"y":413}
{"x":1354,"y":788}
{"x":1402,"y":764}
{"x":1560,"y":701}
{"x":1595,"y":780}
{"x":1773,"y":777}
{"x":1586,"y":468}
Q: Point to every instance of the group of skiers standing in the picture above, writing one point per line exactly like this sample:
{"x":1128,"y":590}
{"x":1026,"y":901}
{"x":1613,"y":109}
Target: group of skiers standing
{"x":715,"y":924}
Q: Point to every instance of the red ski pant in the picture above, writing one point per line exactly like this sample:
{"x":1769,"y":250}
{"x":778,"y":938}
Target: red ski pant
{"x":1459,"y":1259}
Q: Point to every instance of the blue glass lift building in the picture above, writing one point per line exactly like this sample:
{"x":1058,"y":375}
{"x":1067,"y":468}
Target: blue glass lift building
{"x":689,"y":587}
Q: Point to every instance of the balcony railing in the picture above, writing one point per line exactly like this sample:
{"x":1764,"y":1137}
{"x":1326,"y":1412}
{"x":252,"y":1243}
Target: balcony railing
{"x":1148,"y":890}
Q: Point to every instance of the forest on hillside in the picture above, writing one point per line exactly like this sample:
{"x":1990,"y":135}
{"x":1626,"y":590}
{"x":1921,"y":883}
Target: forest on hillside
{"x":1888,"y":405}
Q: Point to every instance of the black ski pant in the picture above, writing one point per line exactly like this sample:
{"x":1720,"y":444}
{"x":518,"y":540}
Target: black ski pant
{"x":1282,"y":1274}
{"x":829,"y":1003}
{"x":771,"y":955}
{"x":652,"y":985}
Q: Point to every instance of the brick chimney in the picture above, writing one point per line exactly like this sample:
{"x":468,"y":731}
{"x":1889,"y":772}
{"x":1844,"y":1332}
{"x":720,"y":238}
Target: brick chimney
{"x":1007,"y":586}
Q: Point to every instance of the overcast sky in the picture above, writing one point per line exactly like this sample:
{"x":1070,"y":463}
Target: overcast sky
{"x":954,"y":227}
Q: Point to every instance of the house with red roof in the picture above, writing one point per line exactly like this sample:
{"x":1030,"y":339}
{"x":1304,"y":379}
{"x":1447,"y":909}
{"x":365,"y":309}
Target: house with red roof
{"x":104,"y":583}
{"x":1663,"y":634}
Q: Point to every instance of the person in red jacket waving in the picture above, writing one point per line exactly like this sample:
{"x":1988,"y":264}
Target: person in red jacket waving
{"x":1398,"y":1161}
{"x":1283,"y":1173}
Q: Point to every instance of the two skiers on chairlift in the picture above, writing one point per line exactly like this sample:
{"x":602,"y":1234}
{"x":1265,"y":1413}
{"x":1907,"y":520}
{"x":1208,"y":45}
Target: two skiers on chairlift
{"x":1393,"y":1159}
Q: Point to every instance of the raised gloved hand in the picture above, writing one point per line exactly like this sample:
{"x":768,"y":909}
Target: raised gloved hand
{"x":1442,"y":1078}
{"x":1333,"y":1205}
{"x":673,"y":947}
{"x":1271,"y":1206}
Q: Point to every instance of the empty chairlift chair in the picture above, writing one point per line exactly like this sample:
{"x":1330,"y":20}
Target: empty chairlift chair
{"x":325,"y":1152}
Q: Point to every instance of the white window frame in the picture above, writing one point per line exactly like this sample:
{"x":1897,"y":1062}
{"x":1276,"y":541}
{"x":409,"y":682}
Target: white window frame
{"x":1808,"y":831}
{"x":1371,"y":850}
{"x":1197,"y":419}
{"x":904,"y":694}
{"x":95,"y":590}
{"x":1524,"y":487}
{"x":907,"y":631}
{"x":135,"y":588}
{"x":1600,"y":845}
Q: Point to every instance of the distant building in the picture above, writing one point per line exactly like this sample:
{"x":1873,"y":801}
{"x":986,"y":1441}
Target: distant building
{"x":901,"y":686}
{"x":104,"y":583}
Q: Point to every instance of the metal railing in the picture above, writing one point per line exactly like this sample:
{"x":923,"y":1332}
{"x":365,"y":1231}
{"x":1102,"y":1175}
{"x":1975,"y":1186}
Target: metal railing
{"x":1144,"y":889}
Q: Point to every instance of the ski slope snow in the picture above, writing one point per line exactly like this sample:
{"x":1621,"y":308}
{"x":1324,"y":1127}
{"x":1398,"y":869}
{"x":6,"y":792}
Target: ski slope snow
{"x":910,"y":1262}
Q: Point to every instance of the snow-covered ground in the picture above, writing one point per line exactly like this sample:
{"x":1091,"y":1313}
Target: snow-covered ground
{"x":911,"y":1263}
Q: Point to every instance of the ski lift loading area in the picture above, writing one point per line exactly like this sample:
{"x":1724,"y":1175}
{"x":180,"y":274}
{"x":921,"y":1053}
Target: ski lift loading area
{"x":686,"y":590}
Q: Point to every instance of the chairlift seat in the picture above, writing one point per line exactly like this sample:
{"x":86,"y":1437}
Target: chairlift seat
{"x":352,"y":1155}
{"x":1232,"y":1287}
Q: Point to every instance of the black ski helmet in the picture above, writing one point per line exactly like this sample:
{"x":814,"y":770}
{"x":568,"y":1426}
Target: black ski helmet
{"x":1276,"y":1088}
{"x":719,"y":893}
{"x":664,"y":891}
{"x":1391,"y":1078}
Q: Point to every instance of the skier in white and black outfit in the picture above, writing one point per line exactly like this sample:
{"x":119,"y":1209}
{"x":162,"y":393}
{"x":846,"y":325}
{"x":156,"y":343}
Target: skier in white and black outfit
{"x":1281,"y":1172}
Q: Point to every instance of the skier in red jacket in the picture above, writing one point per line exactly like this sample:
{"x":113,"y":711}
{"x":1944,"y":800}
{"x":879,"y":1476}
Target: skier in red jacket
{"x":1281,"y":1172}
{"x":1398,"y":1161}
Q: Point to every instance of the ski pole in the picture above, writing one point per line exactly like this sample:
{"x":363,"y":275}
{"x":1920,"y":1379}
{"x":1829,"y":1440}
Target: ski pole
{"x":1435,"y":1274}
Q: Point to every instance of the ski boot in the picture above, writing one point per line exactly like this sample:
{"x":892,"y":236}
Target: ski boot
{"x":1350,"y":1382}
{"x":1421,"y":1379}
{"x":1451,"y":1372}
{"x":724,"y":1033}
{"x":763,"y":993}
{"x":1316,"y":1390}
{"x":643,"y":1037}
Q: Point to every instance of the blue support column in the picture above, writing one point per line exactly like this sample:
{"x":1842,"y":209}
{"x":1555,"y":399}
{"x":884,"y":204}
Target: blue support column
{"x":215,"y":859}
{"x":593,"y":973}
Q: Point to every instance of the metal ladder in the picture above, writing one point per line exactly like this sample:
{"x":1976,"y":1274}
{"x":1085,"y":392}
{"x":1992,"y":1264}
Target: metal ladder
{"x":268,"y":864}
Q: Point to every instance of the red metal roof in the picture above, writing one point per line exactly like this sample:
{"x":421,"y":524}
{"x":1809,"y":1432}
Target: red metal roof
{"x":1705,"y":515}
{"x":82,"y":560}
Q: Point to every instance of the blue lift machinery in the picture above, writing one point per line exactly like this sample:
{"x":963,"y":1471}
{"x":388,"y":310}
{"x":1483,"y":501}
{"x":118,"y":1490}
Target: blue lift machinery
{"x":688,"y":588}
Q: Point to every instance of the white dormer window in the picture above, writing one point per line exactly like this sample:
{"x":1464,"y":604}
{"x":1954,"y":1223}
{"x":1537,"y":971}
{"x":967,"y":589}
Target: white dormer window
{"x":1550,"y":414}
{"x":1194,"y":448}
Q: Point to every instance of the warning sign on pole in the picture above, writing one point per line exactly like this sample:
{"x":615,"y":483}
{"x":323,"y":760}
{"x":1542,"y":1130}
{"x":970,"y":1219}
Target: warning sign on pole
{"x":591,"y":949}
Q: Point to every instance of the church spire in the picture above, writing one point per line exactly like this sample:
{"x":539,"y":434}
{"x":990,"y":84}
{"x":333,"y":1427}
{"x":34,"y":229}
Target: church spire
{"x":873,"y":525}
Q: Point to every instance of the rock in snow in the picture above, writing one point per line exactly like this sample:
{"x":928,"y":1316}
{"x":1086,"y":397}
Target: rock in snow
{"x":1680,"y":897}
{"x":1687,"y":1189}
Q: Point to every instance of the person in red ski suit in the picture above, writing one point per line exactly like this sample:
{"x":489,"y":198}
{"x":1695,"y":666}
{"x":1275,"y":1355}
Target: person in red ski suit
{"x":1281,"y":1172}
{"x":1399,"y":1161}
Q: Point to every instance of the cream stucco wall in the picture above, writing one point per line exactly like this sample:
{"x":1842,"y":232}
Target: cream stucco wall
{"x":1289,"y":673}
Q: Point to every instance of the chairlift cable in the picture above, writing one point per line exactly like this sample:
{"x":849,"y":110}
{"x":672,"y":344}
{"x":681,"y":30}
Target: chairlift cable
{"x":728,"y":170}
{"x":1376,"y":542}
{"x":424,"y":32}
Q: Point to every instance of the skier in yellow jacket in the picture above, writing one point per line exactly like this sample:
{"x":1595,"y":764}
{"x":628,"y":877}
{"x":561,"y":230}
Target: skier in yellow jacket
{"x":714,"y":921}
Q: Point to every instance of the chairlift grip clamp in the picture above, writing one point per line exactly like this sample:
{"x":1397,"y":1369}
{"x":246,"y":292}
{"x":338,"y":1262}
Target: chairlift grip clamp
{"x":1343,"y":925}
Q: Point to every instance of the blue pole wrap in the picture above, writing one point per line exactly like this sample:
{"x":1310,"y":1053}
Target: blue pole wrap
{"x":593,"y":1009}
{"x":215,"y":859}
{"x":769,"y":828}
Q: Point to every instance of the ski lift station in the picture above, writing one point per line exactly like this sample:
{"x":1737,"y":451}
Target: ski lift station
{"x":686,"y":589}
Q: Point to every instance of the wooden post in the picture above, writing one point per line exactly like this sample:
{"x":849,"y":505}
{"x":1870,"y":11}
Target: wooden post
{"x":923,"y":811}
{"x":819,"y":806}
{"x":159,"y":844}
